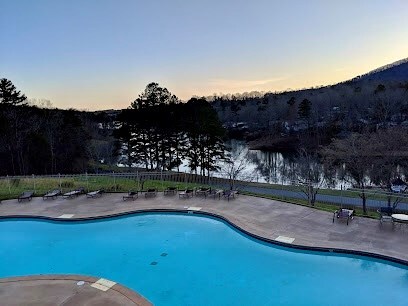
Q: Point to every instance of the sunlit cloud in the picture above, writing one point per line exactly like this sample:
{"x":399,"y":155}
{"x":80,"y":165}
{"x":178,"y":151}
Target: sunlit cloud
{"x":342,"y":69}
{"x":231,"y":84}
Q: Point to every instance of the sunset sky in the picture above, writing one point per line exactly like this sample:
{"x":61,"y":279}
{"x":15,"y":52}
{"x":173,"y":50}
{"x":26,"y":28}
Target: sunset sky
{"x":99,"y":54}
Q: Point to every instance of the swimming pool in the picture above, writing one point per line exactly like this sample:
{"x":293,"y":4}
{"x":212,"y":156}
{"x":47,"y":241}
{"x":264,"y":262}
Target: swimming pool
{"x":178,"y":259}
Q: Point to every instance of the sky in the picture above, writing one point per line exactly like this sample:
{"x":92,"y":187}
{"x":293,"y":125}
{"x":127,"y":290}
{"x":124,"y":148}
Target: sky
{"x":101,"y":54}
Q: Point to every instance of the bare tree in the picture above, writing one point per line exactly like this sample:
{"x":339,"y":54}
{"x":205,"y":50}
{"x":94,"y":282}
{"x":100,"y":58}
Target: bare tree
{"x":235,"y":168}
{"x":354,"y":157}
{"x":390,"y":160}
{"x":308,"y":174}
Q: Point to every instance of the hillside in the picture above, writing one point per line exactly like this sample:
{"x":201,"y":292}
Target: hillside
{"x":395,"y":72}
{"x":314,"y":116}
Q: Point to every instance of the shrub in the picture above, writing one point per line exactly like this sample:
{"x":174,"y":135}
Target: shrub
{"x":15,"y":182}
{"x":115,"y":187}
{"x":67,"y":184}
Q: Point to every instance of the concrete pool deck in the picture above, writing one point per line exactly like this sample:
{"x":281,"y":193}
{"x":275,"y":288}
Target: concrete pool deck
{"x":274,"y":220}
{"x":64,"y":290}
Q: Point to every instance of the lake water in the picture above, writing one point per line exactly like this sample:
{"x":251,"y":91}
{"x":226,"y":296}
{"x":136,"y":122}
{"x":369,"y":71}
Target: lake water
{"x":259,"y":166}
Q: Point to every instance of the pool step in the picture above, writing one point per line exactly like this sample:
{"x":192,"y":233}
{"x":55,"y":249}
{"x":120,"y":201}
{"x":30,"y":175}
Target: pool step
{"x":103,"y":284}
{"x":66,"y":216}
{"x":194,"y":208}
{"x":284,"y":239}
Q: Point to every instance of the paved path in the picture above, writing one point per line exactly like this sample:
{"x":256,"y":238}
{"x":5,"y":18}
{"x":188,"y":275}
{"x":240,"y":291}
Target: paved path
{"x":334,"y":199}
{"x":262,"y":217}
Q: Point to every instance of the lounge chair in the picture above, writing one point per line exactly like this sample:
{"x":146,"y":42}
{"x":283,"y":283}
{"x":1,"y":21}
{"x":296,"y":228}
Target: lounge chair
{"x":53,"y":194}
{"x":227,"y":194}
{"x":132,"y":195}
{"x":203,"y":191}
{"x":95,"y":194}
{"x":73,"y":193}
{"x":152,"y":192}
{"x":188,"y":193}
{"x":385,"y":214}
{"x":170,"y":191}
{"x":343,"y":213}
{"x":26,"y":195}
{"x":216,"y":193}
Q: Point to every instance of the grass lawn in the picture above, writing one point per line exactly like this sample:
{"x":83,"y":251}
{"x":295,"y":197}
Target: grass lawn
{"x":11,"y":189}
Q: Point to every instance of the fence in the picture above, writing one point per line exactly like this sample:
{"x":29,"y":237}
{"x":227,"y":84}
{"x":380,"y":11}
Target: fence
{"x":12,"y":186}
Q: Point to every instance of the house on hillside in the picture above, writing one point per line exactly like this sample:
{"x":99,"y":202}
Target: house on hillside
{"x":398,"y":185}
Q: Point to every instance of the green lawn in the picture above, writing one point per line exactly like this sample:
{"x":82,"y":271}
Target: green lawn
{"x":10,"y":189}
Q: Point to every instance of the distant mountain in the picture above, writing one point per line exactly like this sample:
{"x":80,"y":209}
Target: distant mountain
{"x":395,"y":72}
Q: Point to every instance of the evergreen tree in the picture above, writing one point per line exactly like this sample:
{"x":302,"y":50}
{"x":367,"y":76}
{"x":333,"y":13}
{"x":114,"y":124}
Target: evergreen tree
{"x":304,"y":109}
{"x":9,"y":94}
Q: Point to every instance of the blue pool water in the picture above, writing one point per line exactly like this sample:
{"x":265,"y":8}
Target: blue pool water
{"x":199,"y":261}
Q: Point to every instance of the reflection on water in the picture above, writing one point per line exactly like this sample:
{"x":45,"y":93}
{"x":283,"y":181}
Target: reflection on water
{"x":267,"y":167}
{"x":263,"y":166}
{"x":369,"y":265}
{"x":279,"y":168}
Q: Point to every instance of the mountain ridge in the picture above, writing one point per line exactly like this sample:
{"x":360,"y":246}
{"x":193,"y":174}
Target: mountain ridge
{"x":396,"y":71}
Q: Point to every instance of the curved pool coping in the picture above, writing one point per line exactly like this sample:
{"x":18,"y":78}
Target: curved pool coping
{"x":225,"y":219}
{"x":119,"y":289}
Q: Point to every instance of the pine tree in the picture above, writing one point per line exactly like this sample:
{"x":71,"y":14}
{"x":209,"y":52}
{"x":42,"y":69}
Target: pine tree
{"x":9,"y":94}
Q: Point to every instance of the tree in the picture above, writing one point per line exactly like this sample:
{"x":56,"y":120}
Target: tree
{"x":73,"y":142}
{"x":391,"y":147}
{"x":16,"y":124}
{"x":235,"y":167}
{"x":9,"y":94}
{"x":148,"y":132}
{"x":354,"y":156}
{"x":304,"y":109}
{"x":204,"y":132}
{"x":123,"y":132}
{"x":308,"y":174}
{"x":291,"y":109}
{"x":154,"y":95}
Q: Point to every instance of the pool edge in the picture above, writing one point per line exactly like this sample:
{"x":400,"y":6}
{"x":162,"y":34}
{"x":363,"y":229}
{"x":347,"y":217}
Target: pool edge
{"x":225,"y":219}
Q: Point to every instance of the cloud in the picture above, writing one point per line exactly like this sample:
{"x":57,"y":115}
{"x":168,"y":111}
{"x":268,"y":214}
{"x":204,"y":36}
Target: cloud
{"x":231,"y":84}
{"x":341,"y":69}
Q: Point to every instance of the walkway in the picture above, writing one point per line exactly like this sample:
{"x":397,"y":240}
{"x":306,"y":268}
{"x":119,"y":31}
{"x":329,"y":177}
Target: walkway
{"x":324,"y":198}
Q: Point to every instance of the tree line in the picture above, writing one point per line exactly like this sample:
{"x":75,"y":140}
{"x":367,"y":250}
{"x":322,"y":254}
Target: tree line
{"x":316,"y":115}
{"x":156,"y":132}
{"x":37,"y":140}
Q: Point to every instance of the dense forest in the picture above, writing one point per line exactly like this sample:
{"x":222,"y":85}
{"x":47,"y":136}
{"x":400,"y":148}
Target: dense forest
{"x":156,"y":132}
{"x":48,"y":141}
